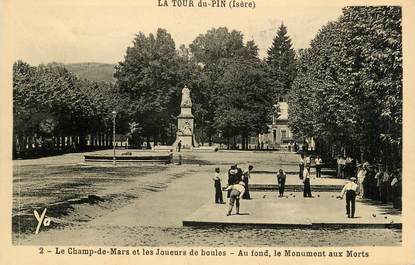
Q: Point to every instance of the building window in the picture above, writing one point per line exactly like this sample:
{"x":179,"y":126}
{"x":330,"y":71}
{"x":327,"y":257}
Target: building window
{"x":283,"y":134}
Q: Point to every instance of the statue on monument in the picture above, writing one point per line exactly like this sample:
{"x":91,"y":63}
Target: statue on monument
{"x":186,"y":100}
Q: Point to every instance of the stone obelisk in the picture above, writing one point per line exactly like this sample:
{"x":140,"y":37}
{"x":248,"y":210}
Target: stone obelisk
{"x":185,"y":121}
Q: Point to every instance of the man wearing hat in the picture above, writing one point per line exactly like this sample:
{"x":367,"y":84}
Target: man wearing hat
{"x":351,"y":189}
{"x":383,"y":183}
{"x":236,"y":192}
{"x":232,"y":178}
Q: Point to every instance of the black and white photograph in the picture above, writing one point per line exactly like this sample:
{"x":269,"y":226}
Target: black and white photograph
{"x":209,"y":128}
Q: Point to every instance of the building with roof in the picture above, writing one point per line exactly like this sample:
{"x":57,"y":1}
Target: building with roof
{"x":279,"y":134}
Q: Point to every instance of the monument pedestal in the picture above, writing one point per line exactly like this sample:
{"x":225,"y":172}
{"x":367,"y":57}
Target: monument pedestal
{"x":187,"y":141}
{"x":185,"y":122}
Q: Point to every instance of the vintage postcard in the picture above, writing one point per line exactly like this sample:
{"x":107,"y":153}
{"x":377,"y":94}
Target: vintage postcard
{"x":207,"y":131}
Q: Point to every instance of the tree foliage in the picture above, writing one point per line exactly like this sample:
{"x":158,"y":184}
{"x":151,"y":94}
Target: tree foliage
{"x":150,"y":76}
{"x":232,"y":81}
{"x":245,"y":100}
{"x":281,"y":62}
{"x":51,"y":105}
{"x":348,"y":89}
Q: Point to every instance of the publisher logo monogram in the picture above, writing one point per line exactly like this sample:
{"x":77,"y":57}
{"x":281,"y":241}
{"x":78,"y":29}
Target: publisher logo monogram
{"x":42,"y":219}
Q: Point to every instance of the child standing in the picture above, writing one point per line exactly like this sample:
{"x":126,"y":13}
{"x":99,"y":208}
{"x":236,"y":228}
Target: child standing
{"x":218,"y":187}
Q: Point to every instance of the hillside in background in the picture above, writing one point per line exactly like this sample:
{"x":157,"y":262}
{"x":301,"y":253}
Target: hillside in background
{"x":93,"y":71}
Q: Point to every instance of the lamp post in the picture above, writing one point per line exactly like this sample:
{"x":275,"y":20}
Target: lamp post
{"x":114,"y":114}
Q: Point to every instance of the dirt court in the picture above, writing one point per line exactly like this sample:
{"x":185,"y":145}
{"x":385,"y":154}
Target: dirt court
{"x":143,"y":204}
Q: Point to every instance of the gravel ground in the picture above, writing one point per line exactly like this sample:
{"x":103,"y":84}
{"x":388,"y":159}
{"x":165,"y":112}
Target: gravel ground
{"x":214,"y":237}
{"x":135,"y":205}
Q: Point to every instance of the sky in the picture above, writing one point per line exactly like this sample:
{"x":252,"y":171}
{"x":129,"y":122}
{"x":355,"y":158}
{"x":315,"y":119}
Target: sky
{"x":75,"y":31}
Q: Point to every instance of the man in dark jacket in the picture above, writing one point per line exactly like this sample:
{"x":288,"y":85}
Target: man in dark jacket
{"x":281,"y":177}
{"x":231,"y":177}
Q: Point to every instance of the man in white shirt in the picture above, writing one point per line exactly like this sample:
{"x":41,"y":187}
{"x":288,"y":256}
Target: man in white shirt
{"x":301,"y":165}
{"x":383,"y":184}
{"x":307,"y":186}
{"x":237,"y":191}
{"x":307,"y":162}
{"x":318,"y":162}
{"x":351,"y":189}
{"x":342,"y":164}
{"x":218,"y":186}
{"x":361,"y":175}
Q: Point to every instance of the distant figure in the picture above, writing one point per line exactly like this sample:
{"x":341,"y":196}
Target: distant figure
{"x":383,"y":183}
{"x":375,"y":183}
{"x":245,"y":179}
{"x":307,"y":186}
{"x":351,"y":189}
{"x":295,"y":147}
{"x":218,"y":187}
{"x":318,"y":162}
{"x":262,"y":145}
{"x":231,"y":177}
{"x":348,"y":167}
{"x":238,"y":175}
{"x":396,"y":185}
{"x":301,"y":165}
{"x":237,"y":191}
{"x":361,"y":175}
{"x":281,"y":177}
{"x":305,"y":146}
{"x":179,"y":145}
{"x":341,"y":166}
{"x":307,"y":161}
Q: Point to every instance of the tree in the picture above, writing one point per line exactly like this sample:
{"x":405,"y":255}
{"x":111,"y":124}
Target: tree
{"x":217,"y":44}
{"x":148,"y":74}
{"x":212,"y":52}
{"x":281,"y":62}
{"x":245,"y":103}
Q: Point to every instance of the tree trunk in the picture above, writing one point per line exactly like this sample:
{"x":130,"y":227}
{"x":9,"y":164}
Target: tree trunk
{"x":23,"y":149}
{"x":101,"y":140}
{"x":15,"y":144}
{"x":70,"y":143}
{"x":64,"y":143}
{"x":242,"y":142}
{"x":82,"y":142}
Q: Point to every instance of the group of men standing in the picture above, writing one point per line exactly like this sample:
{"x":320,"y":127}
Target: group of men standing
{"x":238,"y":186}
{"x":373,"y":182}
{"x":365,"y":180}
{"x":346,"y":166}
{"x":378,"y":183}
